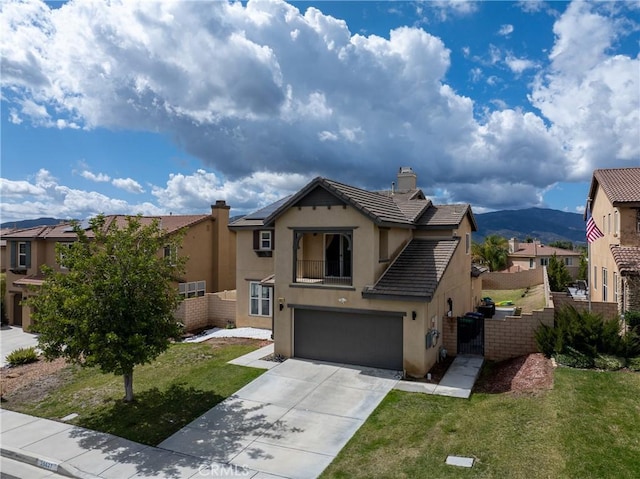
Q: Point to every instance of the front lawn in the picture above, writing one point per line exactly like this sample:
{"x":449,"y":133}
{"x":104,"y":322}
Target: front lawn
{"x":586,"y":427}
{"x":179,"y":386}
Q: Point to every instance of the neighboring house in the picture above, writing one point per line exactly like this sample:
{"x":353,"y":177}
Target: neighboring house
{"x":354,"y":276}
{"x":615,"y":258}
{"x":526,"y":256}
{"x":3,"y":248}
{"x":208,"y":243}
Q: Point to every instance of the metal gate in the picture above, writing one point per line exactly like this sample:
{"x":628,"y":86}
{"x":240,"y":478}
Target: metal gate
{"x":471,"y":334}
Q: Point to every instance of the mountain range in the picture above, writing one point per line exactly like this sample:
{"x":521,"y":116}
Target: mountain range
{"x":542,"y":224}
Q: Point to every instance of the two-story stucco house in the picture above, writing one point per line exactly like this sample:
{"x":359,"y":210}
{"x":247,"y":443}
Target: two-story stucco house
{"x":208,"y":243}
{"x":526,"y":256}
{"x":347,"y":275}
{"x":614,"y":198}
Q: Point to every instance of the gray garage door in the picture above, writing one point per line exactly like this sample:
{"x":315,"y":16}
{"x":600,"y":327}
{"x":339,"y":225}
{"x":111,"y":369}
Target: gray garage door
{"x":355,"y":338}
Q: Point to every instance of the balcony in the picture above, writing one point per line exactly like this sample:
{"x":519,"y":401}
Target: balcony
{"x":323,"y":272}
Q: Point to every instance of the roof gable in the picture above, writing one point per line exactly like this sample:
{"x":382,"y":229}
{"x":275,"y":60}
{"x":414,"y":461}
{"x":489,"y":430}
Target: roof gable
{"x":620,"y":185}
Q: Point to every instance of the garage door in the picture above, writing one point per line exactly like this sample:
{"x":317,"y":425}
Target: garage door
{"x":365,"y":339}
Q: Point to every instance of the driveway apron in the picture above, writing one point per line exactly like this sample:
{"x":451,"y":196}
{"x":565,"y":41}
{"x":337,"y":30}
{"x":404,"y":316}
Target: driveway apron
{"x":291,"y":421}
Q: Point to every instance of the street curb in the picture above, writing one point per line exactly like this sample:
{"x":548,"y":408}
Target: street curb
{"x":45,"y":463}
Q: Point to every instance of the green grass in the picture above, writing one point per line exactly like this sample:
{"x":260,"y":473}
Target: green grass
{"x":180,"y":385}
{"x":586,"y":427}
{"x":533,"y":298}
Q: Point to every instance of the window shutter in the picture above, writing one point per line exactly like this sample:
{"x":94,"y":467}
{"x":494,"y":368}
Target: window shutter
{"x":273,"y":239}
{"x":256,"y":240}
{"x":27,"y":248}
{"x":14,"y":254}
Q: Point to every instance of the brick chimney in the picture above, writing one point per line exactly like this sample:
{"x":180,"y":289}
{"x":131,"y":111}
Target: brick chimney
{"x":407,"y":179}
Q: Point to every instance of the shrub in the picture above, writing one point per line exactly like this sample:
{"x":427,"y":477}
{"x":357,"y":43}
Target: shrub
{"x":633,"y":319}
{"x":634,"y":364}
{"x":608,"y":362}
{"x":22,"y":356}
{"x":574,"y":359}
{"x":546,"y":339}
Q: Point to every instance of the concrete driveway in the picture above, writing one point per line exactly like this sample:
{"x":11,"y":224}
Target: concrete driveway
{"x":12,"y":338}
{"x":290,"y":422}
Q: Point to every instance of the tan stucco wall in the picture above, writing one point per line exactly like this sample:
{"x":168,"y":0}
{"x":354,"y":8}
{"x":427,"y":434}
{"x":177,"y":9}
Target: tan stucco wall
{"x":601,"y":256}
{"x":250,"y":267}
{"x":456,"y":283}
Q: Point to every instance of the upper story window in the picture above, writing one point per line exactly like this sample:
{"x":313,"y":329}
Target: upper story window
{"x":263,"y":242}
{"x":20,"y":255}
{"x":62,"y":252}
{"x":171,"y":252}
{"x":568,"y":261}
{"x":616,"y":223}
{"x":544,"y":261}
{"x":467,"y":243}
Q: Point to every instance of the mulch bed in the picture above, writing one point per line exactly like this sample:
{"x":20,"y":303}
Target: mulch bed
{"x":524,"y":375}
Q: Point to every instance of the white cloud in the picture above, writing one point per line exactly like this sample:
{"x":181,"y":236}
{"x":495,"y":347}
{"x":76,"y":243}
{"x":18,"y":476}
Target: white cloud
{"x":505,"y":30}
{"x":128,"y":184}
{"x":19,"y":189}
{"x":98,"y":178}
{"x":257,"y":86}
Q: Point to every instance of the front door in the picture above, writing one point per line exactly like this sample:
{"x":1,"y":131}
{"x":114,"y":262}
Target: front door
{"x":17,"y":309}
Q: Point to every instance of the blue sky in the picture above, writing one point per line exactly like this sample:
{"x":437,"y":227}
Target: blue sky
{"x":158,"y":107}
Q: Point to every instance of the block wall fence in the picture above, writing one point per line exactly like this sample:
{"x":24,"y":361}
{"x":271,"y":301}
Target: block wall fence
{"x":208,"y":311}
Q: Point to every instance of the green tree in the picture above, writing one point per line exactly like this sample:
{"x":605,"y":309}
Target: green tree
{"x":559,"y":276}
{"x":568,"y":245}
{"x":493,"y":252}
{"x":114,"y":307}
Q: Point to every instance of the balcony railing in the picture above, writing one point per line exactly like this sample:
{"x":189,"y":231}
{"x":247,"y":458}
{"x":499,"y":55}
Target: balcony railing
{"x":323,"y":272}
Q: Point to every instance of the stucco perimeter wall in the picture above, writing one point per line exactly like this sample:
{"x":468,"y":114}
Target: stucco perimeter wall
{"x":210,"y":310}
{"x":514,"y":336}
{"x":607,"y":310}
{"x":521,"y":279}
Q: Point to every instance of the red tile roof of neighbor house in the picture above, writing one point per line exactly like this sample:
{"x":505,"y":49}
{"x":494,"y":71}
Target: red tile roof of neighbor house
{"x":536,"y":250}
{"x":621,"y":185}
{"x":170,"y":224}
{"x":627,"y":259}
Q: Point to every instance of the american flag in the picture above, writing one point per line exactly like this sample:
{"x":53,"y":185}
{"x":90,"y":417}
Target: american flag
{"x":593,"y":232}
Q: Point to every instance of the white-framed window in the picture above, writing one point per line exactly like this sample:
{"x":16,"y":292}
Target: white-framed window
{"x":616,"y":223}
{"x":605,"y":285}
{"x":615,"y":287}
{"x":544,"y":261}
{"x":609,"y":223}
{"x":22,"y":254}
{"x":467,"y":243}
{"x":171,"y":252}
{"x":260,"y":299}
{"x":532,"y":263}
{"x":265,"y":240}
{"x":64,"y":247}
{"x":192,"y":289}
{"x":594,"y":280}
{"x":568,"y":261}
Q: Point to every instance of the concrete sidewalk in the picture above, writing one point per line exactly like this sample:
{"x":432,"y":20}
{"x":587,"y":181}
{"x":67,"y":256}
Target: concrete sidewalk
{"x":457,"y":382}
{"x":12,"y":338}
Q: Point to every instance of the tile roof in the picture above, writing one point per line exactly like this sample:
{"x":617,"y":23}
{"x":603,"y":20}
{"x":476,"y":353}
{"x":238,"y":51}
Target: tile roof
{"x":416,"y":272}
{"x":621,"y":185}
{"x":170,"y":223}
{"x":627,"y":259}
{"x":445,"y":215}
{"x":536,"y":250}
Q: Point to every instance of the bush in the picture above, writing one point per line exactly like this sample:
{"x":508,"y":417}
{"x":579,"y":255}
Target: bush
{"x":634,"y":364}
{"x":574,"y":359}
{"x":608,"y":362}
{"x":22,"y":356}
{"x":546,"y":339}
{"x":633,"y":319}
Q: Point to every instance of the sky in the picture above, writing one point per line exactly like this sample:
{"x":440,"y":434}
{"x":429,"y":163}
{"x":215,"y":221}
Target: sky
{"x":159,"y":107}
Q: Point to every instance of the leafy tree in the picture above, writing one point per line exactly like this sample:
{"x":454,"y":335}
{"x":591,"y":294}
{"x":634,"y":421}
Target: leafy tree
{"x":493,"y":252}
{"x":114,"y":307}
{"x":583,"y":267}
{"x":559,"y":276}
{"x":568,"y":245}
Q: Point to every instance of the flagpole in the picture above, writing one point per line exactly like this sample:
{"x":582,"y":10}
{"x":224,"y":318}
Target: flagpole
{"x":589,"y":259}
